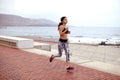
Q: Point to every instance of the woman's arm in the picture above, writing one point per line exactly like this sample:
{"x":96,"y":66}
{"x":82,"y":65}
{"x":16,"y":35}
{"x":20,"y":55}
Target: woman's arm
{"x":62,"y":30}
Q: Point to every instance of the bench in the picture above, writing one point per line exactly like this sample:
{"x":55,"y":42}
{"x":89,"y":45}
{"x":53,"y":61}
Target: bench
{"x":16,"y":42}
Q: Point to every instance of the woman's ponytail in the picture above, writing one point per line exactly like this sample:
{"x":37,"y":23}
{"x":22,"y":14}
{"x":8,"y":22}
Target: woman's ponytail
{"x":61,"y":19}
{"x":60,"y":25}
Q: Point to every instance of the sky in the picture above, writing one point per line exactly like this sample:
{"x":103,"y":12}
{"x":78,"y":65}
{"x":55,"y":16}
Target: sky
{"x":90,"y":13}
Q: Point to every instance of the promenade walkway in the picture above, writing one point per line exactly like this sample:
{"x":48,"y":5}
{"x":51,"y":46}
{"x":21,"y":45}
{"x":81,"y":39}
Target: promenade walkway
{"x":16,"y":64}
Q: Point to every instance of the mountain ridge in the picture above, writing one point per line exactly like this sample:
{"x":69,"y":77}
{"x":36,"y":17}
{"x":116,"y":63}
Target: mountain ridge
{"x":15,"y":20}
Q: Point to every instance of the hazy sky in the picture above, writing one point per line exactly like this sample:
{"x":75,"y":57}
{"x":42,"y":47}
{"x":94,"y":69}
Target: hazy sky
{"x":79,"y":12}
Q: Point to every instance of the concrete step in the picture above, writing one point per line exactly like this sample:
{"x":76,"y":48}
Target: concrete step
{"x":16,"y":42}
{"x":42,"y":46}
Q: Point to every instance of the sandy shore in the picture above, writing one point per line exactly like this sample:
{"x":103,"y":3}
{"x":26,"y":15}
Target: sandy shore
{"x":54,"y":40}
{"x":108,"y":53}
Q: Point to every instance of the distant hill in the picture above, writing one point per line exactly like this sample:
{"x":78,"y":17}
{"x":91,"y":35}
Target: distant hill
{"x":14,"y":20}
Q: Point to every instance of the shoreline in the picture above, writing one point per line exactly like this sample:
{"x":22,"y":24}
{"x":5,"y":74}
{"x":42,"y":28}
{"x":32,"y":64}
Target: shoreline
{"x":55,"y":41}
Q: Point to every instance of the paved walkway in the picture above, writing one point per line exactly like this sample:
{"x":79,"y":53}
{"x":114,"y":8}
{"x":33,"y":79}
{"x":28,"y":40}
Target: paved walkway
{"x":16,"y":64}
{"x":107,"y":54}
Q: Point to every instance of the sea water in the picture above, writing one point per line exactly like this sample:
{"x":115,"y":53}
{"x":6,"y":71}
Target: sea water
{"x":94,"y":35}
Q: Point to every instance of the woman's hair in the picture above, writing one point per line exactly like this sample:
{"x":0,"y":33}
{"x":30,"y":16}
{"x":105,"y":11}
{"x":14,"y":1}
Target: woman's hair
{"x":61,"y":19}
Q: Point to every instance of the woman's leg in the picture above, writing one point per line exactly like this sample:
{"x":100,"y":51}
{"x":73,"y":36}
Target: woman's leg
{"x":60,"y":50}
{"x":67,"y":53}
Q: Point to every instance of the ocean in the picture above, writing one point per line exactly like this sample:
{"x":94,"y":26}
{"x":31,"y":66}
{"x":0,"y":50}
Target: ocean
{"x":111,"y":35}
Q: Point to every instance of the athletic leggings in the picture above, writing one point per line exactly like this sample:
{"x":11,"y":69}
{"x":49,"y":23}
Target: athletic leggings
{"x":65,"y":46}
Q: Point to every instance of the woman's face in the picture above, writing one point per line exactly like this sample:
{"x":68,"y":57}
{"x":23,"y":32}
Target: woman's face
{"x":65,"y":21}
